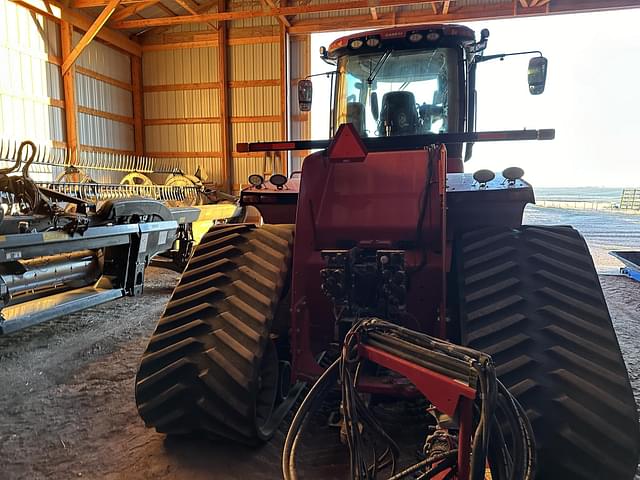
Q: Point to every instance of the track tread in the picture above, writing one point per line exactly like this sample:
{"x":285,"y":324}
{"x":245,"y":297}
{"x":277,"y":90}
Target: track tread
{"x":531,"y":298}
{"x":201,"y":369}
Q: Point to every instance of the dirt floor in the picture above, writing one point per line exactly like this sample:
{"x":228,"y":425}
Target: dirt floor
{"x":67,"y":406}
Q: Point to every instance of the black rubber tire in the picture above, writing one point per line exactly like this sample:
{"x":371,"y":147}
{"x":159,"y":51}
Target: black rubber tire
{"x":531,"y":298}
{"x":211,"y":366}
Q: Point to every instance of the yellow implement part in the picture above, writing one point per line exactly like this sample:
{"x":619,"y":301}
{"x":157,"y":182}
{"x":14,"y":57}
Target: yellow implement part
{"x":209,"y":214}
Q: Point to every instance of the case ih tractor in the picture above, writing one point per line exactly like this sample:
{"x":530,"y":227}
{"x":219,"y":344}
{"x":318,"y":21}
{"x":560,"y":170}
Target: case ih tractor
{"x":383,"y":272}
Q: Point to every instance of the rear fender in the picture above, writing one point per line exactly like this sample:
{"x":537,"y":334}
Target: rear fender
{"x":497,"y":203}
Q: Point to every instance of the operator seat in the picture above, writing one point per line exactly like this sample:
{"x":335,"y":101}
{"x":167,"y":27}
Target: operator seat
{"x":355,"y":115}
{"x":398,"y":114}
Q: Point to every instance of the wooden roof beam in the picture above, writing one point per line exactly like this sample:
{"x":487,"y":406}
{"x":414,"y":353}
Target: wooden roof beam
{"x":374,"y":13}
{"x":98,"y":3}
{"x":192,"y":7}
{"x":281,"y":18}
{"x":270,"y":12}
{"x":90,"y":34}
{"x":445,"y":7}
{"x":132,"y":10}
{"x":205,"y":7}
{"x":477,"y":12}
{"x":55,"y":11}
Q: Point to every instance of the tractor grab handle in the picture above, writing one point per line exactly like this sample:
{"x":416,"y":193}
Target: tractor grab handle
{"x":405,"y":142}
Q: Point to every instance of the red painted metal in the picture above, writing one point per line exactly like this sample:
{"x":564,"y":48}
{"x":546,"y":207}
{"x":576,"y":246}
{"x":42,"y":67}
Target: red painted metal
{"x":465,"y":422}
{"x":275,"y":206}
{"x":443,"y":392}
{"x":370,"y":203}
{"x":446,"y":394}
{"x":388,"y":33}
{"x":442,"y":184}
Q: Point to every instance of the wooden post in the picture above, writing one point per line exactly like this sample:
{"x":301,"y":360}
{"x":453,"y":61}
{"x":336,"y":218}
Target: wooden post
{"x":68,"y":83}
{"x":137,"y":98}
{"x":225,"y":126}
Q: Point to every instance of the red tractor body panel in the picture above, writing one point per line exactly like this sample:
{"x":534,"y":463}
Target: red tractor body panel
{"x":372,"y":204}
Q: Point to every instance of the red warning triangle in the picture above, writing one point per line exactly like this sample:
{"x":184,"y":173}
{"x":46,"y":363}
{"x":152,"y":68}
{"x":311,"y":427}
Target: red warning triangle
{"x":347,"y":145}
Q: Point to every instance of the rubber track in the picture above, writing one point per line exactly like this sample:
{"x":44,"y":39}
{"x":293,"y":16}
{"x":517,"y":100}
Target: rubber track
{"x":200,"y":372}
{"x":531,"y":298}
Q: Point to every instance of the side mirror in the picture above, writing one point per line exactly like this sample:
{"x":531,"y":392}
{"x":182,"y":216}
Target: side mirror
{"x":537,"y":75}
{"x":375,"y":111}
{"x":305,"y":95}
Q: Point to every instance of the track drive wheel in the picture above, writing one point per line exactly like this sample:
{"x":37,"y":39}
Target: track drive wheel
{"x":211,"y":365}
{"x":530,"y":297}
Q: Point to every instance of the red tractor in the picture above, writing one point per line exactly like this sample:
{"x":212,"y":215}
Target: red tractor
{"x":384,"y":261}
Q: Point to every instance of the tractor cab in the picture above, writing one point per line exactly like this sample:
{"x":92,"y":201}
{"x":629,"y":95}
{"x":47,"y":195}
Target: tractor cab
{"x":400,"y":89}
{"x":411,"y":81}
{"x":402,"y":81}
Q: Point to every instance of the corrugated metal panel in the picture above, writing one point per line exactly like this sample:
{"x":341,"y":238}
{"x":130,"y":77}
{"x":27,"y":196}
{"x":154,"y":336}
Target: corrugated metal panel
{"x":183,"y":138}
{"x":104,"y":60}
{"x":29,"y":81}
{"x":102,"y":132}
{"x":99,"y":95}
{"x":54,"y":81}
{"x":182,"y":104}
{"x":254,"y":62}
{"x":251,"y":132}
{"x":193,"y":65}
{"x":246,"y":63}
{"x":24,"y":119}
{"x":255,"y":101}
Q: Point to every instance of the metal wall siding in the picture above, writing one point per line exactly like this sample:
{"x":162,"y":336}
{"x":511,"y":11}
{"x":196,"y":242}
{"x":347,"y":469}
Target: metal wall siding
{"x":99,"y":95}
{"x":23,"y":119}
{"x":54,"y":81}
{"x":102,"y":132}
{"x":243,"y":167}
{"x":182,"y":104}
{"x":254,"y":62}
{"x":187,"y":138}
{"x":255,"y":101}
{"x":254,"y":132}
{"x":183,"y":138}
{"x":184,"y":66}
{"x":192,"y":65}
{"x":29,"y":82}
{"x":57,"y":126}
{"x":104,"y":60}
